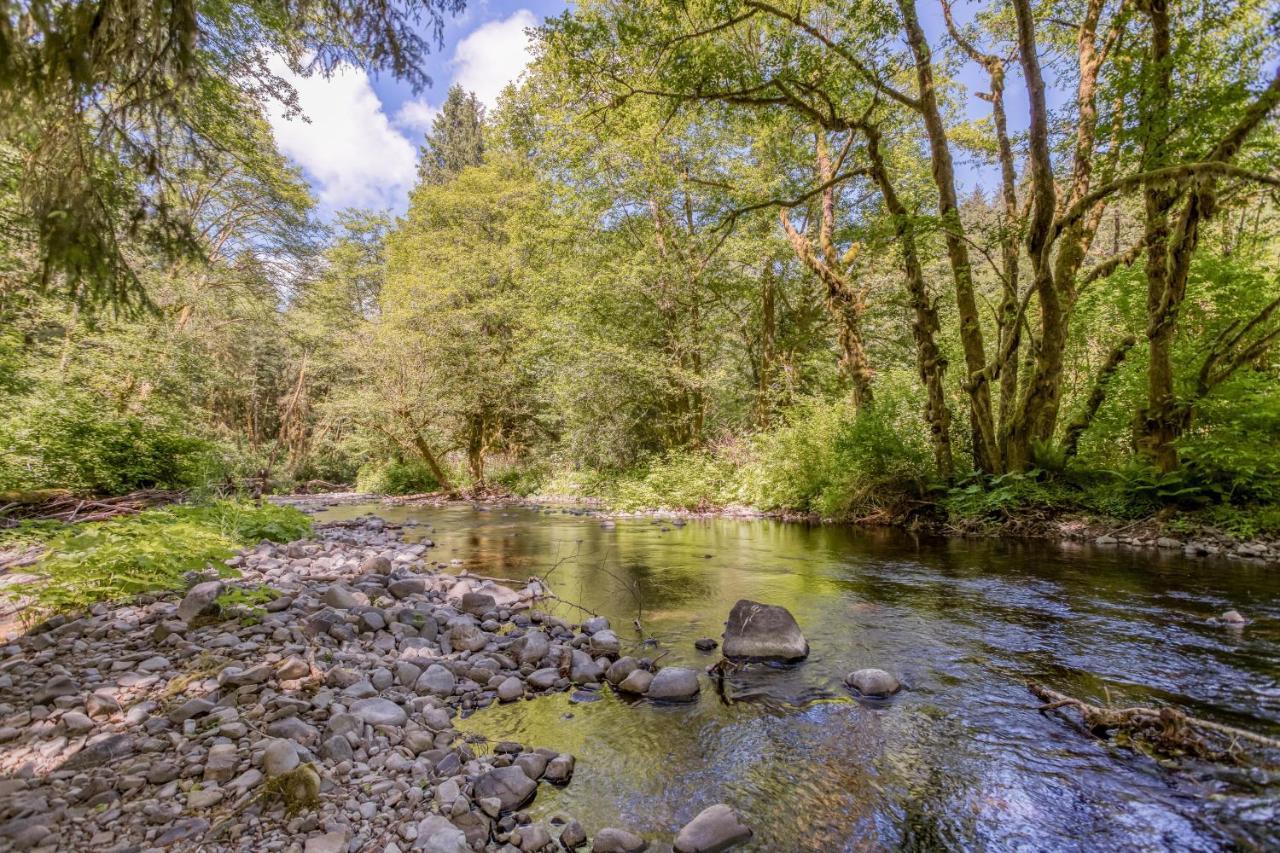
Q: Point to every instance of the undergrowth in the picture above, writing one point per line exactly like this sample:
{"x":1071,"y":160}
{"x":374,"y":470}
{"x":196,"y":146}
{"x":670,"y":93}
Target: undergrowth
{"x":153,"y":550}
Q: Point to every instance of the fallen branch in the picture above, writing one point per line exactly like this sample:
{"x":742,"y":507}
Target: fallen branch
{"x":1168,"y":730}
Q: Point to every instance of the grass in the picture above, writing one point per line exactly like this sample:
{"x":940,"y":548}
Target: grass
{"x":152,"y":551}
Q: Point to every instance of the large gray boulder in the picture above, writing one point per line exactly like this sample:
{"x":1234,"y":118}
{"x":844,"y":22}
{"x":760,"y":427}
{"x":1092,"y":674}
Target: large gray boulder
{"x":763,"y":632}
{"x":715,"y":829}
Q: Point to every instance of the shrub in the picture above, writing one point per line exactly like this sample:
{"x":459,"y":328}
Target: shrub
{"x":690,"y":480}
{"x":827,"y":460}
{"x":66,"y":438}
{"x":395,"y":478}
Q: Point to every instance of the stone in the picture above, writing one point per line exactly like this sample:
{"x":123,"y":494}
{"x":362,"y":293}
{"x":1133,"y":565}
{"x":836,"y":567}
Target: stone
{"x":705,"y":644}
{"x":337,"y":749}
{"x":674,"y":684}
{"x":200,"y":599}
{"x":292,"y":668}
{"x":594,"y":624}
{"x":560,"y":769}
{"x":407,"y":587}
{"x":620,"y":669}
{"x":1105,"y":540}
{"x":873,"y":682}
{"x":340,"y":597}
{"x":584,"y":669}
{"x":1168,"y":543}
{"x":510,"y":689}
{"x":716,"y":828}
{"x":612,"y":840}
{"x":533,"y":647}
{"x":477,"y":603}
{"x":637,"y":682}
{"x":221,"y":763}
{"x":280,"y":757}
{"x":530,"y":838}
{"x":508,"y":784}
{"x":77,"y":723}
{"x":763,"y":632}
{"x":572,"y":836}
{"x":375,"y":565}
{"x":437,"y":681}
{"x":1233,"y":617}
{"x":605,"y":642}
{"x":197,"y":707}
{"x":205,"y":798}
{"x":330,"y":842}
{"x":534,"y":764}
{"x":379,"y":712}
{"x":544,"y":679}
{"x":59,"y":685}
{"x":437,"y":834}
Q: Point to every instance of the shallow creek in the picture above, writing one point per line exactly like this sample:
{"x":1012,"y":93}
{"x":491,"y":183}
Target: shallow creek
{"x":961,"y":758}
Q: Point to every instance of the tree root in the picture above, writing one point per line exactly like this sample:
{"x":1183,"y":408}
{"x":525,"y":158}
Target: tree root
{"x":1166,"y":730}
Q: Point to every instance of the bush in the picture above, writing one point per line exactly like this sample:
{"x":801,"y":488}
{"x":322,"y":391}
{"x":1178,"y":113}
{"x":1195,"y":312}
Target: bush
{"x":829,"y":461}
{"x":693,"y":480}
{"x":65,"y":438}
{"x":395,"y":478}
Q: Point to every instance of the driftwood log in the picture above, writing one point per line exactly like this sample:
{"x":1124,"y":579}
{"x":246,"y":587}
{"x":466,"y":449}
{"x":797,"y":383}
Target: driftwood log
{"x":1167,"y":730}
{"x":56,"y":505}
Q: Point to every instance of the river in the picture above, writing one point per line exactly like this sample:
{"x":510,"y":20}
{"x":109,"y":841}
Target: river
{"x":961,"y":759}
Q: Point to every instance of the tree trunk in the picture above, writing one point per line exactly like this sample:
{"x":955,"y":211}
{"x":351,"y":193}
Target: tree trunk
{"x":982,"y":422}
{"x":930,"y":362}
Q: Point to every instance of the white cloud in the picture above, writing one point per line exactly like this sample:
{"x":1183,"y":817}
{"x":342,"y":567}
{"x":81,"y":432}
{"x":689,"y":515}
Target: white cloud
{"x":350,"y":150}
{"x":493,"y":56}
{"x":415,"y":116}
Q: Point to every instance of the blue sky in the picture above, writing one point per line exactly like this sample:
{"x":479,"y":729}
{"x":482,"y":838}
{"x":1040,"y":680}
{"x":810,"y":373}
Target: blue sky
{"x":360,"y":146}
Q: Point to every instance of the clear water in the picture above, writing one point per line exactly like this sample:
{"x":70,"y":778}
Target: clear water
{"x":961,"y":759}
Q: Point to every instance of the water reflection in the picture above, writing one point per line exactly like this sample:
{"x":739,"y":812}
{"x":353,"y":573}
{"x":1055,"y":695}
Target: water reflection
{"x":959,"y":760}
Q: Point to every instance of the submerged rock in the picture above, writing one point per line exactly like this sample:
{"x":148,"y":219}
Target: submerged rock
{"x":716,"y":828}
{"x":763,"y":632}
{"x":613,"y":840}
{"x":873,"y":682}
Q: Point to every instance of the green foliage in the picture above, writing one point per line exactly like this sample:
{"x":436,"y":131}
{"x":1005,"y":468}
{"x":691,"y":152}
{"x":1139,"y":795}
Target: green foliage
{"x":691,"y":480}
{"x":395,"y":477}
{"x":154,"y":550}
{"x":829,"y":461}
{"x":67,"y":438}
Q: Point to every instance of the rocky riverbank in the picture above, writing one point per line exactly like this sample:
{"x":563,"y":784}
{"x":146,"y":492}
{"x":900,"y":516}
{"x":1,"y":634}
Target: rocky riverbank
{"x":307,"y":705}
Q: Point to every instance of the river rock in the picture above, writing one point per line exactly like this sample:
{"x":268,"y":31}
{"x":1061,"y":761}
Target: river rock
{"x":572,"y":836}
{"x":477,"y":603}
{"x":620,"y":669}
{"x":1233,"y":617}
{"x":873,"y":682}
{"x":637,"y":682}
{"x":674,"y":684}
{"x":375,"y":565}
{"x":544,"y":679}
{"x":59,"y":685}
{"x":199,"y":599}
{"x":763,"y":631}
{"x":340,"y":597}
{"x":613,"y":840}
{"x":705,"y":644}
{"x":509,"y":785}
{"x":280,"y":757}
{"x":560,"y":769}
{"x":437,"y":834}
{"x":510,"y":690}
{"x":533,"y":647}
{"x":379,"y":712}
{"x":605,"y":642}
{"x":437,"y":681}
{"x":716,"y":828}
